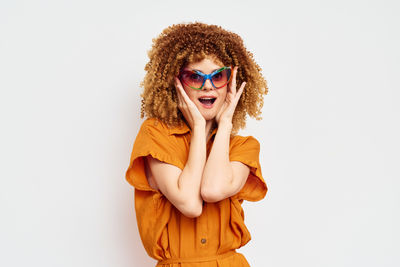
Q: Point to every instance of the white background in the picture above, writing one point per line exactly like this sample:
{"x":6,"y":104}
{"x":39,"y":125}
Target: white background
{"x":69,"y":109}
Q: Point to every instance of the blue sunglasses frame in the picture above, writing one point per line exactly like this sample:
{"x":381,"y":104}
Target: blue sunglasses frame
{"x":209,"y":77}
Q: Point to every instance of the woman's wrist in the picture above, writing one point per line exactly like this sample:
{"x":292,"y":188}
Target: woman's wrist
{"x":199,"y":125}
{"x":198,"y":131}
{"x":225,"y":124}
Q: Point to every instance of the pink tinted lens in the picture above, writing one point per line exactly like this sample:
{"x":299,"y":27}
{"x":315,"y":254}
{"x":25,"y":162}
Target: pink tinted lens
{"x":221,"y":78}
{"x":191,"y":78}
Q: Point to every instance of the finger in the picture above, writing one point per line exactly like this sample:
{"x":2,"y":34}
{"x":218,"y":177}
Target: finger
{"x":182,"y":91}
{"x":240,"y":91}
{"x":180,"y":100}
{"x":178,"y":85}
{"x":178,"y":93}
{"x":233,"y":84}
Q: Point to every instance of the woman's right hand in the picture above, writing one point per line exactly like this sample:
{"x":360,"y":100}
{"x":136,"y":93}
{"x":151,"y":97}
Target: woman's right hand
{"x":187,"y":107}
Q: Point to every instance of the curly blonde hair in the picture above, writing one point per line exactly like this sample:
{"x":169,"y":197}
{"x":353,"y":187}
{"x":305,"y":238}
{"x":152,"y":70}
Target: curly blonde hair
{"x":182,"y":44}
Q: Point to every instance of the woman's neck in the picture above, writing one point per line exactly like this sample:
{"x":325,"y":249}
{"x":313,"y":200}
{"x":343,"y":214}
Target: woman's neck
{"x":210,"y":125}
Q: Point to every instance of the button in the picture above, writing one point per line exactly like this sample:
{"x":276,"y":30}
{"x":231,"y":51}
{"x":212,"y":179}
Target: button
{"x":203,"y":240}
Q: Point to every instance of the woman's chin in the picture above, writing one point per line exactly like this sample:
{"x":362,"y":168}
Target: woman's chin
{"x":209,"y":114}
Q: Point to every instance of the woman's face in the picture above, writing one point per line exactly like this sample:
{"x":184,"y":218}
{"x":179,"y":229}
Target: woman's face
{"x":201,"y":98}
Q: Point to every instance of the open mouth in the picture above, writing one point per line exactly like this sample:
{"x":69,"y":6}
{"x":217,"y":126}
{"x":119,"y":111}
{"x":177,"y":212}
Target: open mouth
{"x":208,"y":101}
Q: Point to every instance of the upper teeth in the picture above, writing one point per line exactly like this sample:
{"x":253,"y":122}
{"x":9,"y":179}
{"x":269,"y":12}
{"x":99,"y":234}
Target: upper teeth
{"x":206,"y":98}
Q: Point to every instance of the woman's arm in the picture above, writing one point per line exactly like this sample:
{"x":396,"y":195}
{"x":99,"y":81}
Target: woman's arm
{"x":182,"y":187}
{"x":222,"y":178}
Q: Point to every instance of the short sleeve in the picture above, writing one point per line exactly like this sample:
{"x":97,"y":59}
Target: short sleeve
{"x":152,"y":139}
{"x":247,"y":150}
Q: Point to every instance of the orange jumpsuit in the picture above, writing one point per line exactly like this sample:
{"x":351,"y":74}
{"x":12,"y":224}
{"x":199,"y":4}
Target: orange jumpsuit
{"x":170,"y":237}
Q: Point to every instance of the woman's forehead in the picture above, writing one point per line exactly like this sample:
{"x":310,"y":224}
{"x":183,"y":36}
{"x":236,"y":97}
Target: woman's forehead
{"x":206,"y":65}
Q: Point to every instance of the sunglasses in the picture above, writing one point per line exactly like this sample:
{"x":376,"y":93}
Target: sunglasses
{"x":196,"y":79}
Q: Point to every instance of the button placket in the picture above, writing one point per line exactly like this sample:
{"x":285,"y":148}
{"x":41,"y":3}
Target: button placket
{"x":204,"y":226}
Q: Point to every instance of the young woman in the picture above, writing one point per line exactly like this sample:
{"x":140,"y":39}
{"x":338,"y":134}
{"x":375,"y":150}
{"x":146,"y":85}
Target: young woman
{"x":190,"y":170}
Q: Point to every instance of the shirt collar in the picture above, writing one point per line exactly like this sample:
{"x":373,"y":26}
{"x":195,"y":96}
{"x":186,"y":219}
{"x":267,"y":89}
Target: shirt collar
{"x":184,"y":129}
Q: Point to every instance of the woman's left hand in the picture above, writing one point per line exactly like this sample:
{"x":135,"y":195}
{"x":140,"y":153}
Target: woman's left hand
{"x":225,"y":114}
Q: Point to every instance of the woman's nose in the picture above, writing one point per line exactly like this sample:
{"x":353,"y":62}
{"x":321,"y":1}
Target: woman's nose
{"x":208,"y":85}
